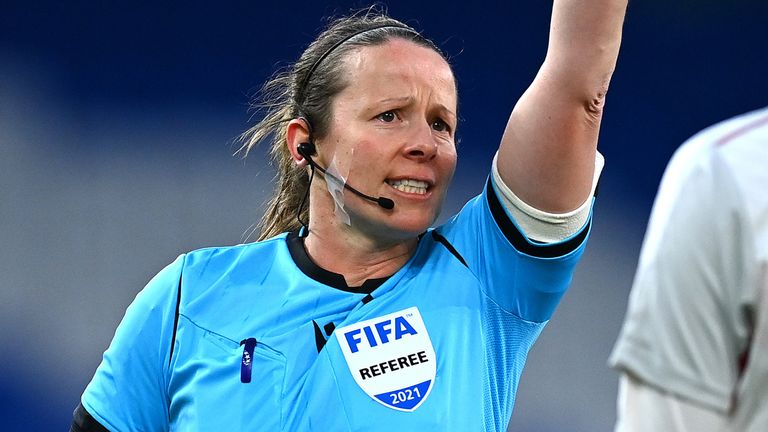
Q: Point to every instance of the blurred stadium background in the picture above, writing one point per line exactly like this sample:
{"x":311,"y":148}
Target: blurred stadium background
{"x":117,"y":128}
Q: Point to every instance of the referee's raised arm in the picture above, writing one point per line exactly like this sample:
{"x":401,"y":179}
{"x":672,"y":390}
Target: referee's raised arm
{"x":547,"y":153}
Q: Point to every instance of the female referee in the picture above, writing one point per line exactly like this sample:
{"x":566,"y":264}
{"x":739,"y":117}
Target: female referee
{"x":350,"y":312}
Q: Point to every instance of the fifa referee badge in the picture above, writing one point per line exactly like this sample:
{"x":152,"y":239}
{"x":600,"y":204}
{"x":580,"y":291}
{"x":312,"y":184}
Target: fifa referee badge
{"x":391,"y":358}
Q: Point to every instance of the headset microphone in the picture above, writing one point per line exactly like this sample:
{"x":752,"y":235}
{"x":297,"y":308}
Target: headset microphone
{"x":308,"y":149}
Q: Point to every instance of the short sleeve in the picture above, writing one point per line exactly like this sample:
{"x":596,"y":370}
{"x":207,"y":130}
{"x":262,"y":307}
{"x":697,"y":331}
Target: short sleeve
{"x":523,"y":277}
{"x":128,"y":390}
{"x":684,"y":331}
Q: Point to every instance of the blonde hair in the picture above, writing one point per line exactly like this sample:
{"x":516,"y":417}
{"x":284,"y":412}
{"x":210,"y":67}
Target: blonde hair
{"x":306,"y":89}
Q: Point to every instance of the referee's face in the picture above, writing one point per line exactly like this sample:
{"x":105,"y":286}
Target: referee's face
{"x":392,"y":135}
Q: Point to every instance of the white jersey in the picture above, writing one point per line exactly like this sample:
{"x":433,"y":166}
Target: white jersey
{"x":697,"y":323}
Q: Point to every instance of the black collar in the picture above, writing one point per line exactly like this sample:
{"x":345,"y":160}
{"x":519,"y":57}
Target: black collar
{"x":314,"y":271}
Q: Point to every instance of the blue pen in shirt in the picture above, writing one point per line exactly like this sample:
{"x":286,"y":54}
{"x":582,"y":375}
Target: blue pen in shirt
{"x":247,"y":365}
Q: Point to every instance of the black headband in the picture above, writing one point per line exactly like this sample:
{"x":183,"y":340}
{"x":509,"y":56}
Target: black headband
{"x":337,"y":44}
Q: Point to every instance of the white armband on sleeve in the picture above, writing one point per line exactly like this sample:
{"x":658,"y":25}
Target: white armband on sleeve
{"x":542,"y":226}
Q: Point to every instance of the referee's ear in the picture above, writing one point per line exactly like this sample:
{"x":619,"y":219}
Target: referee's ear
{"x":298,"y":132}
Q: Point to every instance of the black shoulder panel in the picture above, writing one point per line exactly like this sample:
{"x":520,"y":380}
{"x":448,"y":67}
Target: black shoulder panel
{"x":444,"y":241}
{"x":175,"y":322}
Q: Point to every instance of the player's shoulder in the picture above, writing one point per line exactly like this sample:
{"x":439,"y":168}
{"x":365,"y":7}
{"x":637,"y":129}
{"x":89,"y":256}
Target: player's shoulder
{"x":736,"y":142}
{"x":742,"y":133}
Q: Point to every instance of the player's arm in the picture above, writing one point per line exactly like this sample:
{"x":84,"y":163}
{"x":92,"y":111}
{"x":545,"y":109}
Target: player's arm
{"x":687,"y":324}
{"x":547,"y":153}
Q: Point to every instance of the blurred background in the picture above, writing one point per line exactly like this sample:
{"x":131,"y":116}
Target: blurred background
{"x":117,"y":132}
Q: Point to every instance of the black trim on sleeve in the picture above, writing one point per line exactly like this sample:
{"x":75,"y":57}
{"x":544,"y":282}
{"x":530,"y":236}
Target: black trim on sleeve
{"x":175,"y":321}
{"x":518,"y":240}
{"x":444,"y":241}
{"x":82,"y":421}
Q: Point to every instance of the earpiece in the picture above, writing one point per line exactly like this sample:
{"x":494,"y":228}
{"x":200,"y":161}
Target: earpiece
{"x":306,"y":149}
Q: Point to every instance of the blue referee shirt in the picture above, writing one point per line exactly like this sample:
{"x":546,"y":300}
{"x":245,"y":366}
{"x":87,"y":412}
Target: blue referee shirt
{"x":256,"y":337}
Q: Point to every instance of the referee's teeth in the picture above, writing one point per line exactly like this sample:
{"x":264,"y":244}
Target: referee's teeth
{"x":410,"y":186}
